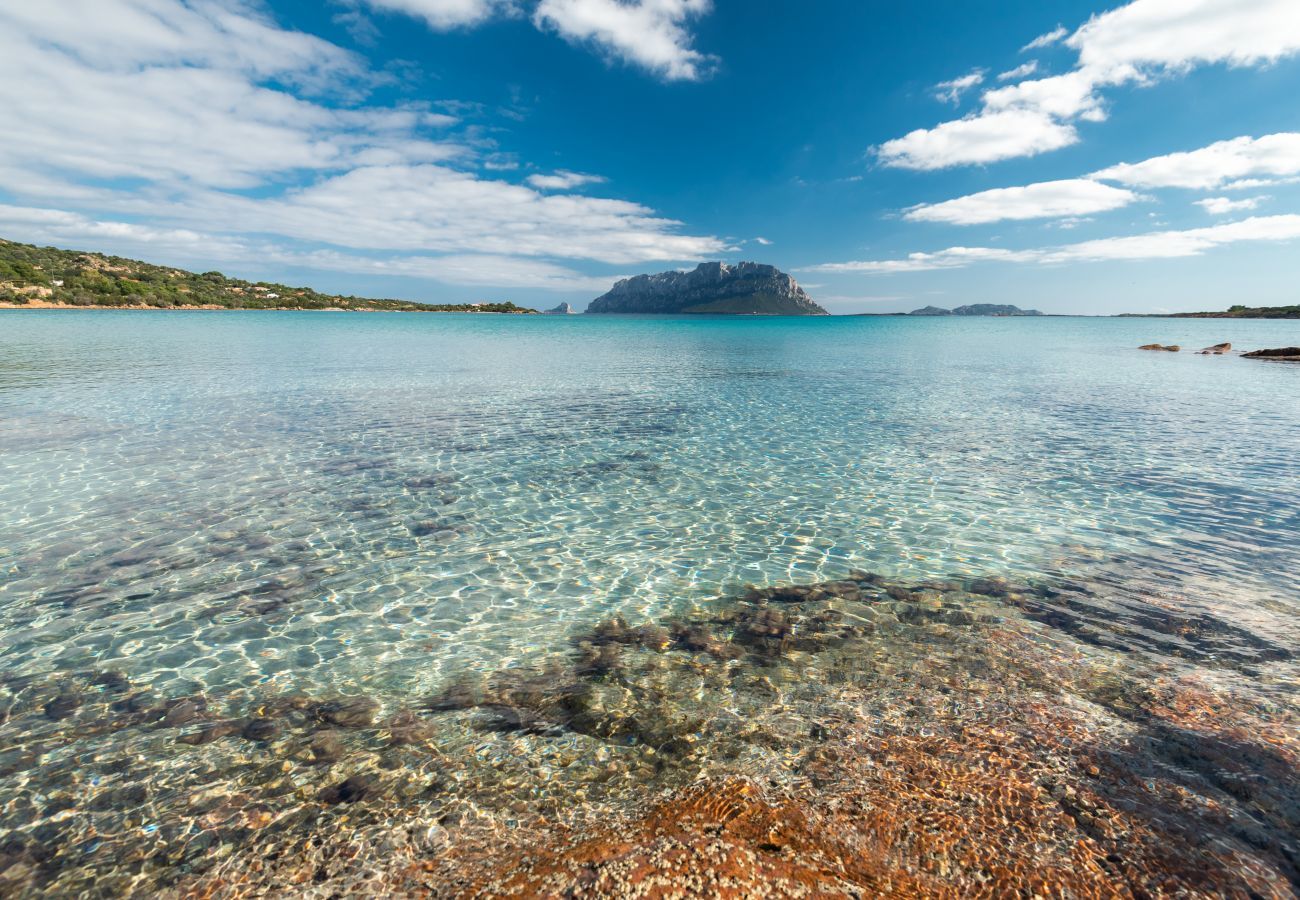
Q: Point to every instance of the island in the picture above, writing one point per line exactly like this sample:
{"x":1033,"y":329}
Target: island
{"x":34,"y":277}
{"x":746,"y":288}
{"x":976,"y":309}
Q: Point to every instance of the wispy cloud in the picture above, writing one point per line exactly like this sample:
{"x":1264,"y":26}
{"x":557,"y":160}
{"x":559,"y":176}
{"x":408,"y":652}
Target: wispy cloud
{"x":1047,"y":199}
{"x":563,"y":180}
{"x":1046,"y":40}
{"x":951,"y":91}
{"x":1152,"y":245}
{"x":443,"y":15}
{"x":1022,"y":71}
{"x":1244,"y":162}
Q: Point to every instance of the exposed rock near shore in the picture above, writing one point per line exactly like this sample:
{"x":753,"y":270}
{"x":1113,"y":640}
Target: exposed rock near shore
{"x":712,"y":287}
{"x":1172,"y":348}
{"x":1288,"y":354}
{"x":1216,"y":350}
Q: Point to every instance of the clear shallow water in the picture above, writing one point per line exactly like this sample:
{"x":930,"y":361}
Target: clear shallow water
{"x":325,"y":501}
{"x":215,"y":525}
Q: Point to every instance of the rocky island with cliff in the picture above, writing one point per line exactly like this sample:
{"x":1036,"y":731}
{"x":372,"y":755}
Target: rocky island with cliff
{"x":746,"y":288}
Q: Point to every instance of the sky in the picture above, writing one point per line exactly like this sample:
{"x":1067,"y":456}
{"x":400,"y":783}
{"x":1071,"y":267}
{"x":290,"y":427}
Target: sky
{"x":1074,"y":157}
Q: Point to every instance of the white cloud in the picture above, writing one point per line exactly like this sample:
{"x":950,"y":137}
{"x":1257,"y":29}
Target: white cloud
{"x":1237,"y":163}
{"x":486,"y":270}
{"x":208,"y":119}
{"x":1046,"y":40}
{"x":763,"y":241}
{"x":442,"y":15}
{"x":563,"y":180}
{"x":951,"y":91}
{"x":648,"y":33}
{"x":1134,"y":44}
{"x":1028,"y":68}
{"x":977,"y":139}
{"x":1047,"y":199}
{"x":1153,"y":245}
{"x":1222,"y":206}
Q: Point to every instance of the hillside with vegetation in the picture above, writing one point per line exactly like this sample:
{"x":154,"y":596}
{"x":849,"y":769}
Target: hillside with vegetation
{"x":45,"y":276}
{"x":1246,"y":312}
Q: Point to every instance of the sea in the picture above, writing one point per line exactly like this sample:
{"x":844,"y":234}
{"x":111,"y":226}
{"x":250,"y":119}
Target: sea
{"x":217,"y":516}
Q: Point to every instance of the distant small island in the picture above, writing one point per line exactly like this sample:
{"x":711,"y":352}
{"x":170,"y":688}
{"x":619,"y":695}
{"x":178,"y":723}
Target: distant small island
{"x":746,"y":288}
{"x":976,"y":309}
{"x":45,"y":277}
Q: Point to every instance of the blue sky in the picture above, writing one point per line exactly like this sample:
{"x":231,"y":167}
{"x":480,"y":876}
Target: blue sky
{"x":1071,"y":156}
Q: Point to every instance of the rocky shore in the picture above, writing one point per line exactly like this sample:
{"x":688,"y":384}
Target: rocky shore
{"x":867,"y":735}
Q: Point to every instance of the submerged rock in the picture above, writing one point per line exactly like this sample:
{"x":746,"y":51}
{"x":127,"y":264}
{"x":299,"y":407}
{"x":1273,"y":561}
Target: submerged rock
{"x":1216,"y":350}
{"x":1172,"y":348}
{"x":357,"y":712}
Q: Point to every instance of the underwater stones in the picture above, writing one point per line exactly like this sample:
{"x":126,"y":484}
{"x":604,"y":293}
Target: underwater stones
{"x":699,"y":639}
{"x":211,"y":733}
{"x":990,"y":587}
{"x":325,"y":747}
{"x":261,"y":730}
{"x":763,"y":625}
{"x":351,"y":790}
{"x":111,"y":681}
{"x":654,"y":637}
{"x":606,"y":659}
{"x":457,"y":695}
{"x":356,"y":712}
{"x":425,"y":527}
{"x":182,"y":711}
{"x":63,"y":706}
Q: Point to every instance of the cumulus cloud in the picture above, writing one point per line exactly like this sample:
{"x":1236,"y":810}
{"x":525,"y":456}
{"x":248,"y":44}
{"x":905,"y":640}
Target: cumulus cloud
{"x":1222,"y":206}
{"x":1242,"y":162}
{"x":951,"y":91}
{"x":652,"y":34}
{"x":443,"y":15}
{"x":1134,"y":44}
{"x":1047,"y":199}
{"x":162,"y":120}
{"x":563,"y":180}
{"x":1153,"y":245}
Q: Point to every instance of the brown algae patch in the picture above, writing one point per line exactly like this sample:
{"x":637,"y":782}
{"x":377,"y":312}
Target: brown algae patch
{"x":950,"y":737}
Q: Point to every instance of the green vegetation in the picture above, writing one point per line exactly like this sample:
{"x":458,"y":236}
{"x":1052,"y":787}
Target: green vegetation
{"x":29,"y":273}
{"x":1247,"y":312}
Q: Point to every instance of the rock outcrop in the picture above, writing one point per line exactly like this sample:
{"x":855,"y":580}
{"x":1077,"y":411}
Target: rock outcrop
{"x":746,"y":288}
{"x":1172,"y":348}
{"x":563,"y":309}
{"x":976,"y":309}
{"x":1289,"y":354}
{"x":1216,"y":350}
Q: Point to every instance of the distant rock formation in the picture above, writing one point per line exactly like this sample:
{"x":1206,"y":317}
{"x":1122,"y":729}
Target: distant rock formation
{"x":746,"y":288}
{"x":976,"y":309}
{"x":563,"y":309}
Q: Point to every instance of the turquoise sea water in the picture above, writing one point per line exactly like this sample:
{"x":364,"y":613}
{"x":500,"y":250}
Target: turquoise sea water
{"x":286,"y":593}
{"x":325,"y":501}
